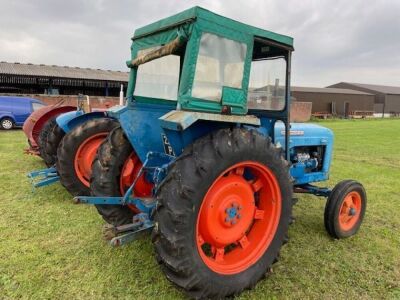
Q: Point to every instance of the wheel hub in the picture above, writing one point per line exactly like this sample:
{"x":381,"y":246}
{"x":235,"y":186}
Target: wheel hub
{"x":7,"y":124}
{"x":352,"y":211}
{"x":232,"y":214}
{"x":349,"y":212}
{"x":231,"y":202}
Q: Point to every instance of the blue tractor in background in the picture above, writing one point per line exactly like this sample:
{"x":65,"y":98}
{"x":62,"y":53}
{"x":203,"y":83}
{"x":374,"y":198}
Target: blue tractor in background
{"x":68,"y":144}
{"x":205,"y":157}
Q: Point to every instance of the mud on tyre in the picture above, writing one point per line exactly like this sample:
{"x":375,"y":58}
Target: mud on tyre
{"x":228,"y":192}
{"x":113,"y":171}
{"x":76,"y":153}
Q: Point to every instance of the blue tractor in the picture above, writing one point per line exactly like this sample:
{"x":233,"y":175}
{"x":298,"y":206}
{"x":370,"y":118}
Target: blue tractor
{"x":205,"y":156}
{"x":68,"y":145}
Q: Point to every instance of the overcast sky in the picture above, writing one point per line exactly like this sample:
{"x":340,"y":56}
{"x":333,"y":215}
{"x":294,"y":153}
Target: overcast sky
{"x":356,"y":41}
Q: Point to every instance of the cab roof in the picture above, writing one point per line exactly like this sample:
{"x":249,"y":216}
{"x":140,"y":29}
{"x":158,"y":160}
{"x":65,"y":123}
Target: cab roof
{"x":198,"y":14}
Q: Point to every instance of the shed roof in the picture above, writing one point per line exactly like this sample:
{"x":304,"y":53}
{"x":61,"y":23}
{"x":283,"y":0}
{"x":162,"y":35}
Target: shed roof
{"x":327,"y":90}
{"x":61,"y":72}
{"x":384,"y":89}
{"x":198,"y":13}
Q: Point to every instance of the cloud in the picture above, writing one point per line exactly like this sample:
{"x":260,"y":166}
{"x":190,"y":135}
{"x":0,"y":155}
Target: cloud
{"x":334,"y":40}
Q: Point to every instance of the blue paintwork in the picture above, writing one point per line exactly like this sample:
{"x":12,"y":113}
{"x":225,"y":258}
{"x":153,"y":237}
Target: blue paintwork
{"x":313,"y":135}
{"x":141,"y":223}
{"x":312,"y":189}
{"x":63,"y":119}
{"x":140,"y":122}
{"x":142,"y":127}
{"x":17,"y":109}
{"x":43,"y":177}
{"x":79,"y":119}
{"x":144,"y":205}
{"x":71,"y":119}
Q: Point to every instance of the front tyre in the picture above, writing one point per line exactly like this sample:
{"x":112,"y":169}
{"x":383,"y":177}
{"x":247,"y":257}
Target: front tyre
{"x":345,"y":209}
{"x":223,"y":213}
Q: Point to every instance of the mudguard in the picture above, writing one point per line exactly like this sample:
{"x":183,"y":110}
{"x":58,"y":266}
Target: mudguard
{"x":70,"y":120}
{"x":35,"y":122}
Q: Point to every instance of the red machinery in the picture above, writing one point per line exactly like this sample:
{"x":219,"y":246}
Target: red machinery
{"x":36,"y":121}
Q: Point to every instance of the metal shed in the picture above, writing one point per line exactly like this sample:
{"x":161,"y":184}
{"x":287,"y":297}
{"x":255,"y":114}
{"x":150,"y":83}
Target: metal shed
{"x":45,"y":79}
{"x":335,"y":101}
{"x":387,"y":98}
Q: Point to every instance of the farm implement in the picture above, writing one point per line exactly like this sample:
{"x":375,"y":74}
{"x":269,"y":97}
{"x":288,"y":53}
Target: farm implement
{"x":205,"y":157}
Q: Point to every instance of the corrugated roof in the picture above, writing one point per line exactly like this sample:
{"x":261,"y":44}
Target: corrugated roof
{"x":326,"y":90}
{"x":61,"y":72}
{"x":385,"y":89}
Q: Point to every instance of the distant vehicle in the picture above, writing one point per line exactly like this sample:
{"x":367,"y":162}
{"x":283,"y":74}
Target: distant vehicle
{"x":15,"y":110}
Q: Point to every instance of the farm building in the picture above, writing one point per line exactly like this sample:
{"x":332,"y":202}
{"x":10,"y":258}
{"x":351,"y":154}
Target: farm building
{"x":59,"y":80}
{"x":387,"y":98}
{"x":335,"y":101}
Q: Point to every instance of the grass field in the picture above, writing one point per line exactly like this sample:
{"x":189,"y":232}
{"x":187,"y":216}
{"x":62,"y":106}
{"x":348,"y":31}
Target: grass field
{"x":53,"y":249}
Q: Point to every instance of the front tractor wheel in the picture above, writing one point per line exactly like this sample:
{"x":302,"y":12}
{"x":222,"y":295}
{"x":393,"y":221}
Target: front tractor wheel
{"x":345,"y":209}
{"x":77,"y":151}
{"x":223,"y":213}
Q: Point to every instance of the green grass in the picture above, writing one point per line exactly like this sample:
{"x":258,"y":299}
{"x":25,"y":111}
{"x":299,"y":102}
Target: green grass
{"x":53,"y":249}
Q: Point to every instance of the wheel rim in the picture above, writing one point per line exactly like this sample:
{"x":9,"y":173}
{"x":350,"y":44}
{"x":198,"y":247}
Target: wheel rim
{"x":7,"y":124}
{"x":238,"y":218}
{"x":129,"y":172}
{"x":349,"y":212}
{"x":85,"y":156}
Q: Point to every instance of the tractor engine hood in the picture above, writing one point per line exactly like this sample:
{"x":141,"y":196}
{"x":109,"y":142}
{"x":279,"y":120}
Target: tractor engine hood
{"x":303,"y":134}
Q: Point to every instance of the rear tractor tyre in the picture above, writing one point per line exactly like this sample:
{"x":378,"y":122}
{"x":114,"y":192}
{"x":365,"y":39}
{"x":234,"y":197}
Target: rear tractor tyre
{"x":223,"y":213}
{"x":77,"y":151}
{"x":44,"y":133}
{"x":48,"y":150}
{"x":345,"y":209}
{"x":114,"y":169}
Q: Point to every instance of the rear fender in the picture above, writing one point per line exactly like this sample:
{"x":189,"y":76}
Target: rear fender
{"x":72,"y":119}
{"x":35,"y":122}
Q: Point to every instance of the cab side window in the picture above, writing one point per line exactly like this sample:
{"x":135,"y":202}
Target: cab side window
{"x":267,"y":84}
{"x":220,"y":62}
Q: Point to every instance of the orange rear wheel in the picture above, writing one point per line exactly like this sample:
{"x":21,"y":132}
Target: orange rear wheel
{"x":129,"y":172}
{"x":77,"y":151}
{"x":238,"y":217}
{"x":223,"y":212}
{"x":114,"y":170}
{"x":85,"y":155}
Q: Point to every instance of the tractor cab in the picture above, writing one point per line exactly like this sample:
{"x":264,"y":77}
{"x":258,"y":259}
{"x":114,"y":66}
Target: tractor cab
{"x":209,"y":63}
{"x":198,"y":67}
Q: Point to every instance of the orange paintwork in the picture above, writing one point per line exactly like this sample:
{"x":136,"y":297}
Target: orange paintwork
{"x":350,"y":210}
{"x":238,"y":218}
{"x":85,"y":155}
